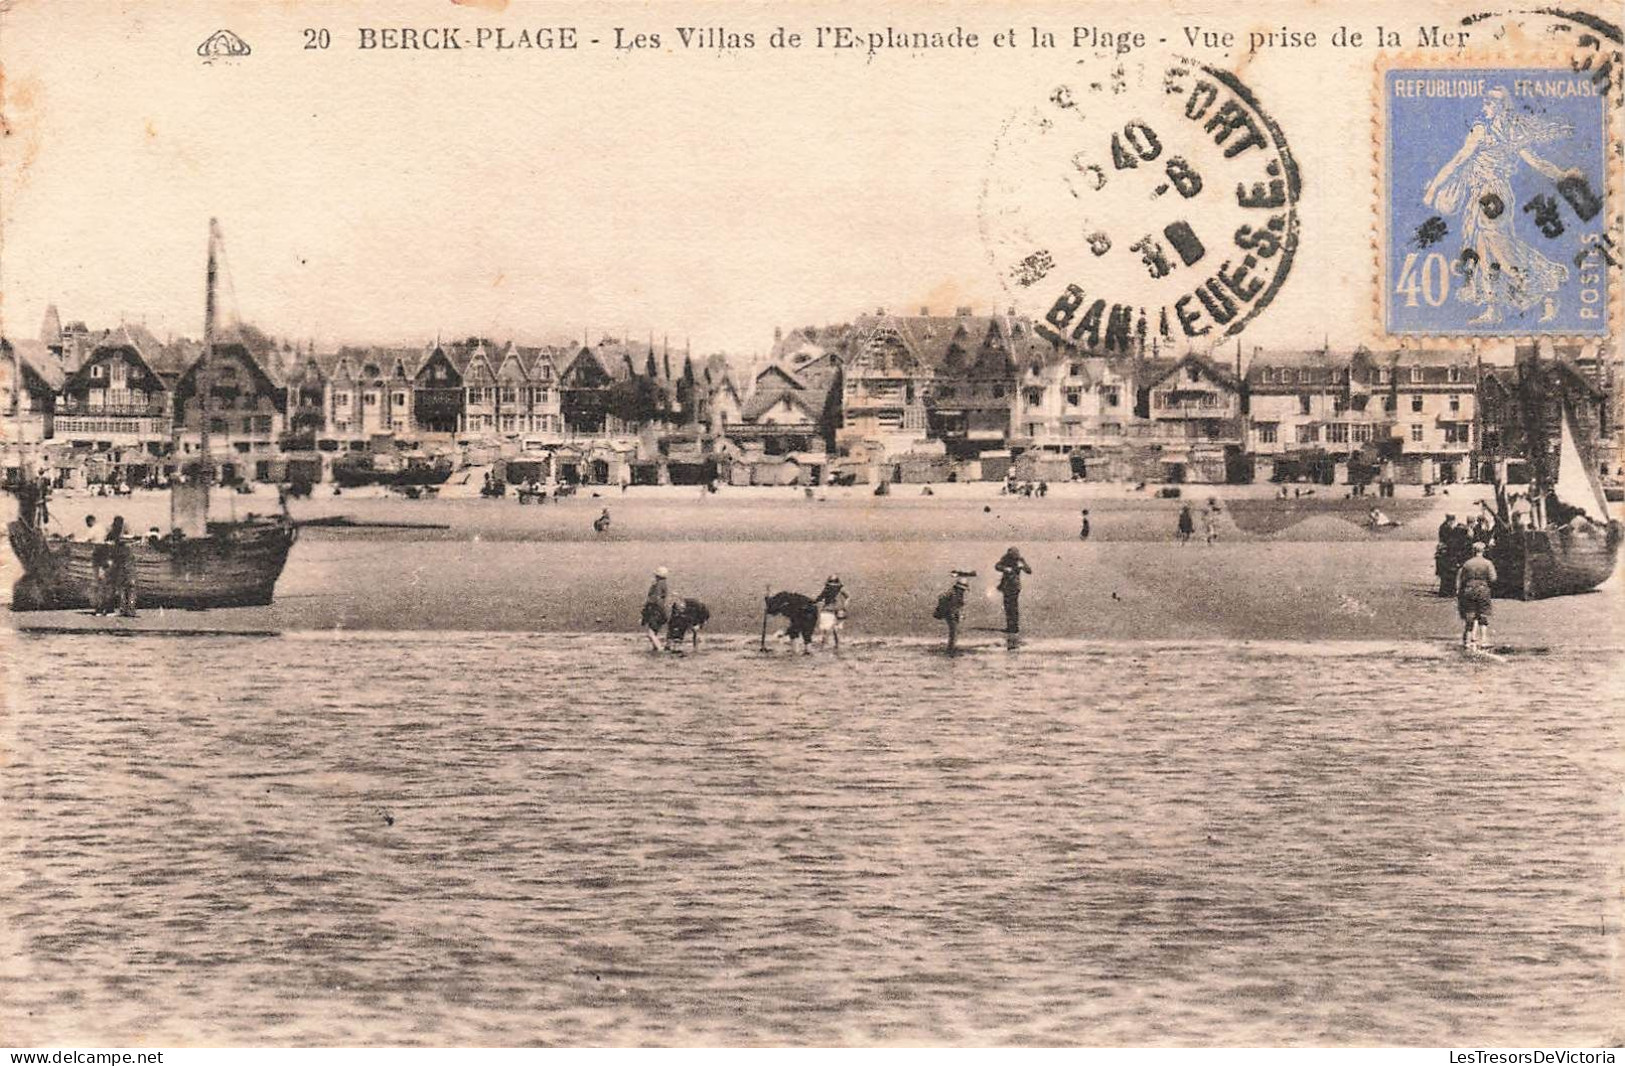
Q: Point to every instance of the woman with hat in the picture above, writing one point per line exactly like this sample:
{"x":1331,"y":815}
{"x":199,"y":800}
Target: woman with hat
{"x":1011,"y":566}
{"x":951,"y":608}
{"x":832,"y":606}
{"x":654,"y":607}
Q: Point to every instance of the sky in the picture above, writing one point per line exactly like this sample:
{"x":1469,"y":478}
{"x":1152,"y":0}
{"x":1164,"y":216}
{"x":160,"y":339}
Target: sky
{"x":387,"y":197}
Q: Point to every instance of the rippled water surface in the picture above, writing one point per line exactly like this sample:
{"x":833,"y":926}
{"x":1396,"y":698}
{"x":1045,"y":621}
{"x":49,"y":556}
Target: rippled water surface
{"x":499,"y":839}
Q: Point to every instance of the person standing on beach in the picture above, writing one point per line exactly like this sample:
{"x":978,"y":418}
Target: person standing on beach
{"x":1458,"y":549}
{"x":1474,"y":599}
{"x":1083,"y":528}
{"x":951,"y":608}
{"x":1210,"y":516}
{"x":1010,"y":567}
{"x":601,"y":523}
{"x":121,"y":569}
{"x":654,"y":608}
{"x":1186,"y":526}
{"x":1443,"y":567}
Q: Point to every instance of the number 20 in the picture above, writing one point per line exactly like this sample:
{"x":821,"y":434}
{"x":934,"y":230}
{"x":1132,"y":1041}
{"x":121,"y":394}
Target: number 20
{"x":317,"y":39}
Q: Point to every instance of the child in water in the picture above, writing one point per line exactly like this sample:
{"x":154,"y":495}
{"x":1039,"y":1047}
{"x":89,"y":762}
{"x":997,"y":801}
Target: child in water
{"x":832,"y":602}
{"x":951,"y":608}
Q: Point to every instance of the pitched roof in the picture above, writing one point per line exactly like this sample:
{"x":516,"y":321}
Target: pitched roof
{"x":764,"y":400}
{"x":36,"y":356}
{"x":1154,"y":371}
{"x":1428,"y":356}
{"x":552,"y":356}
{"x":171,"y":360}
{"x":787,"y":378}
{"x":1321,"y":365}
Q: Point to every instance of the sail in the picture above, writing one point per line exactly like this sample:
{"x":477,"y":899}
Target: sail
{"x":1577,"y":485}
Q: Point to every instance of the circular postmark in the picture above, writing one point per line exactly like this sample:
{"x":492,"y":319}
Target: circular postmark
{"x":1122,"y":212}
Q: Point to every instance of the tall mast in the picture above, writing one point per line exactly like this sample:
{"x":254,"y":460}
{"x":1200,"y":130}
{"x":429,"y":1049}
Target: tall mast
{"x":205,"y":377}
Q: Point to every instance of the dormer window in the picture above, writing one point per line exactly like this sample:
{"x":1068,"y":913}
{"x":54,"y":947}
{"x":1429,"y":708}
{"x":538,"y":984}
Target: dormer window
{"x":1192,"y":374}
{"x":1269,"y":373}
{"x":1455,"y":373}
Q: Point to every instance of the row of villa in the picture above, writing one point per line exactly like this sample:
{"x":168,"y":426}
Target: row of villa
{"x":913,"y":398}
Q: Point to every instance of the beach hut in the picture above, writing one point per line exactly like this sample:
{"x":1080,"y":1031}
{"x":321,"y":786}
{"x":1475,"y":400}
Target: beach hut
{"x":995,"y":465}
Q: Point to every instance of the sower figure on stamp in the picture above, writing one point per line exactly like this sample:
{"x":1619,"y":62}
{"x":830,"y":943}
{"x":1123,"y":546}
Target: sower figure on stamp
{"x":1502,"y":272}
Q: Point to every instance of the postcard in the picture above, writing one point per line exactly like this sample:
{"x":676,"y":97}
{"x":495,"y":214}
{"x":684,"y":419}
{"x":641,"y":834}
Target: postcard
{"x":811,"y":524}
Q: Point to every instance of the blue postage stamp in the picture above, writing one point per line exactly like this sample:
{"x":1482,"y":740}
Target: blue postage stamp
{"x":1495,"y":182}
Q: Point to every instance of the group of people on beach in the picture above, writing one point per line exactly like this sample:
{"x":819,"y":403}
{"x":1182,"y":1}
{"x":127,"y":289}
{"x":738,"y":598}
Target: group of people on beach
{"x":1466,"y":573}
{"x":667,"y":620}
{"x":113,"y":564}
{"x":1025,"y":488}
{"x":951,"y":604}
{"x":1457,"y":536}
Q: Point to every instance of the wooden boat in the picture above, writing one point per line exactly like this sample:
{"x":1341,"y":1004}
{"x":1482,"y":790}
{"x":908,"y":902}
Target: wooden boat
{"x":1569,"y":543}
{"x":1537,"y":563}
{"x":236,"y":565}
{"x":199,"y":564}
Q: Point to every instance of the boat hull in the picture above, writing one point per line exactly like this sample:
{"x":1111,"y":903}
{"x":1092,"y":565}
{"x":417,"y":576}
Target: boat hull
{"x":1556,"y":562}
{"x":236,"y":565}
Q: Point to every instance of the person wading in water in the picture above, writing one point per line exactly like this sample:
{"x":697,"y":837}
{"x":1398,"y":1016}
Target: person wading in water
{"x":951,"y":608}
{"x":1473,"y":599}
{"x":1011,"y":566}
{"x":832,"y":603}
{"x":654,"y":608}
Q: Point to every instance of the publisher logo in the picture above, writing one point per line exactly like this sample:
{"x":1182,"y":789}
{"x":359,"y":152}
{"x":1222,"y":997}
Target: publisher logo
{"x":223,"y":44}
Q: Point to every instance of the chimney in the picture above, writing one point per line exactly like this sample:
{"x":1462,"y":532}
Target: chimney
{"x":925,"y":311}
{"x":962,"y":312}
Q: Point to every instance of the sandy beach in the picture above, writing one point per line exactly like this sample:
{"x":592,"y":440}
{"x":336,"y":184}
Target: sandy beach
{"x":1279,"y":570}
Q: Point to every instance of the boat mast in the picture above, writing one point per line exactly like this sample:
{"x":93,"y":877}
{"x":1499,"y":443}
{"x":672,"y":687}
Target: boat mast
{"x":1536,"y":445}
{"x":205,"y":376}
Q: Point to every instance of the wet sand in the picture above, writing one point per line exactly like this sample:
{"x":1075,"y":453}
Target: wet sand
{"x":1291,"y":570}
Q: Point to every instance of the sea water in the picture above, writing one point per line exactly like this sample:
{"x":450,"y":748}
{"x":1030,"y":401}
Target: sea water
{"x":464,"y":837}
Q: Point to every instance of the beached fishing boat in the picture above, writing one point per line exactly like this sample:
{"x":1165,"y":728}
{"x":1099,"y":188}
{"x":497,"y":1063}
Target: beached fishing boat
{"x":1561,"y":540}
{"x":236,"y":565}
{"x":200,"y":563}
